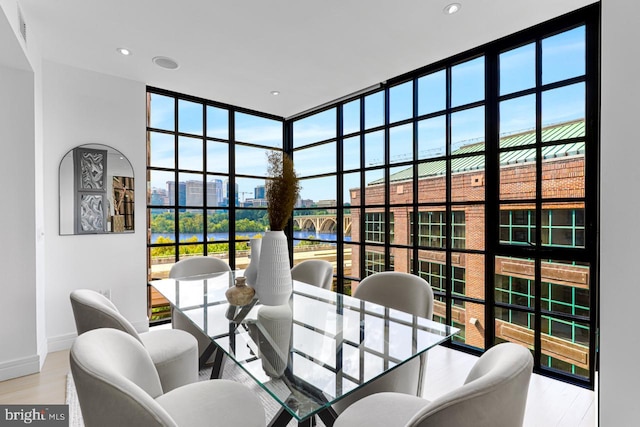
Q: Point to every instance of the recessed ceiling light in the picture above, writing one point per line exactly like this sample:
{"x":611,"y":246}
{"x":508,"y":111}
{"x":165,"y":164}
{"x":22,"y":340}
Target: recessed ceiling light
{"x":275,"y":92}
{"x":164,"y":62}
{"x":452,"y":8}
{"x":123,"y":51}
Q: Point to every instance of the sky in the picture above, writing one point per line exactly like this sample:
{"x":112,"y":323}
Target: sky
{"x":562,"y":58}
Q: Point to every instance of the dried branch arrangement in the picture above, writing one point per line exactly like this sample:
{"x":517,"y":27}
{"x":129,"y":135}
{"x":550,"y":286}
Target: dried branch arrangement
{"x":282,"y":189}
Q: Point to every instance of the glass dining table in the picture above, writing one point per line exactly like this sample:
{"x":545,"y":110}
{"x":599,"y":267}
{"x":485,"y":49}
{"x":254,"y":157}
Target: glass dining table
{"x":307,"y":354}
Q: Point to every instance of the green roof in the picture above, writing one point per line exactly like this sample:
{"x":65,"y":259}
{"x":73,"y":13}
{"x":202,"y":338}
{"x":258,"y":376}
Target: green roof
{"x":527,"y":139}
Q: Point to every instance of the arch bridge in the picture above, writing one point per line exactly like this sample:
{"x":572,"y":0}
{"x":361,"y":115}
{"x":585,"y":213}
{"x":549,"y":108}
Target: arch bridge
{"x":322,"y":223}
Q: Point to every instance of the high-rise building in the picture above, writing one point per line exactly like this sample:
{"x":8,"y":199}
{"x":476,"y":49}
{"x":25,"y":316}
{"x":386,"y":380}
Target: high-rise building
{"x":214,"y":193}
{"x":182,"y":193}
{"x":195,"y":192}
{"x":159,"y":197}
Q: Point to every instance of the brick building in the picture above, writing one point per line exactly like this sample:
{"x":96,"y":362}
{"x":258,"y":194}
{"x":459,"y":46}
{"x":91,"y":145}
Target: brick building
{"x":565,"y":286}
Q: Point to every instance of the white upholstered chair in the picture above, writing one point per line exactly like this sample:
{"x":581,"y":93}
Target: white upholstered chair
{"x":405,"y":292}
{"x":493,"y":395}
{"x":174,"y":353}
{"x":189,"y":267}
{"x":316,"y":272}
{"x":196,"y":266}
{"x":118,"y":385}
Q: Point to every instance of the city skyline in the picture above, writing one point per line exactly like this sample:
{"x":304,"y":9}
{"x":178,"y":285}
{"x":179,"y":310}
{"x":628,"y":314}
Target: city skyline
{"x":217,"y":195}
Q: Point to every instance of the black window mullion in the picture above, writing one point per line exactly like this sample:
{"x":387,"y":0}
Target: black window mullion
{"x":340,"y":205}
{"x":363,"y":199}
{"x":287,"y":148}
{"x":231,"y":192}
{"x":205,"y":189}
{"x":387,"y":186}
{"x":414,"y":215}
{"x":448,"y":277}
{"x":592,"y":156}
{"x":537,"y":346}
{"x":492,"y":188}
{"x":176,"y":186}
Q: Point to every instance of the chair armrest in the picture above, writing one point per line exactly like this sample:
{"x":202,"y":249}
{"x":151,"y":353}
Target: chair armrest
{"x":381,"y":410}
{"x":214,"y":402}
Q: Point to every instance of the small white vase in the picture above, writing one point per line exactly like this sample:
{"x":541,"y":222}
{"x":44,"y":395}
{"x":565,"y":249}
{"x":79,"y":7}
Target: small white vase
{"x":274,"y":285}
{"x":251,"y":272}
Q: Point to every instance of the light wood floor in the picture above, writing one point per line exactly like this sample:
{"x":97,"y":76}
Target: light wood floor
{"x":47,"y":387}
{"x":550,"y":402}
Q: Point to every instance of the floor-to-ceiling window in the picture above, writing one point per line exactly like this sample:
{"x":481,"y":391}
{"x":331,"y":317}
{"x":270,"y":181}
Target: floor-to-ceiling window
{"x":478,"y":173}
{"x":206,"y":170}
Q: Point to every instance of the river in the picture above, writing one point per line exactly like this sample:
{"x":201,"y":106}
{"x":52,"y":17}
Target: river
{"x":225,"y":236}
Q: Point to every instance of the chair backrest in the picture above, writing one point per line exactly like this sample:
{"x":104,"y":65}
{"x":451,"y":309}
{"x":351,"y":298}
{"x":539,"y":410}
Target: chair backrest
{"x":494,"y":393}
{"x":402,"y":291}
{"x":92,"y":310}
{"x":196,"y":266}
{"x":116,"y":380}
{"x":316,"y":272}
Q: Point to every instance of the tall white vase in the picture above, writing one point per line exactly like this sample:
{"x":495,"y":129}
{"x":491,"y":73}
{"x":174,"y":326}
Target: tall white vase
{"x":274,"y":284}
{"x":251,"y":272}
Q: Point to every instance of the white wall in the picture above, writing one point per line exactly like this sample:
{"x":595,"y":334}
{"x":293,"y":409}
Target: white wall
{"x":619,"y":206}
{"x":17,"y":224}
{"x":45,"y":110}
{"x":82,"y":107}
{"x":35,"y":61}
{"x":18,"y":330}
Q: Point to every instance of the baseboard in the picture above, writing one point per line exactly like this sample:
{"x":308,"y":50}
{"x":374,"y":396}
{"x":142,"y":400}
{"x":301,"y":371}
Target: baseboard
{"x":19,"y":367}
{"x":61,"y":342}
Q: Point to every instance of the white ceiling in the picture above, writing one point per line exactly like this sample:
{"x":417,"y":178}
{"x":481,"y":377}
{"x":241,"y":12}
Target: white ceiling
{"x":238,"y":51}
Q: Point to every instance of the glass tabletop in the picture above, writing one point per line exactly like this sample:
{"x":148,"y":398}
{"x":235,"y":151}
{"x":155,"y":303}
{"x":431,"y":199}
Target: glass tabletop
{"x":308,"y":353}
